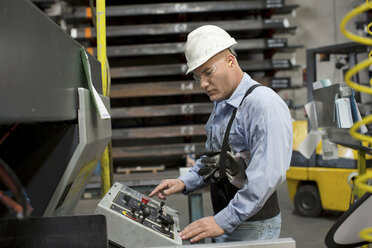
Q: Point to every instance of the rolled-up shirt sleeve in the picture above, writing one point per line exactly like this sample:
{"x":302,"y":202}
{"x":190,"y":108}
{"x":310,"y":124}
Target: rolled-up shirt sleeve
{"x":192,"y":180}
{"x":266,"y":124}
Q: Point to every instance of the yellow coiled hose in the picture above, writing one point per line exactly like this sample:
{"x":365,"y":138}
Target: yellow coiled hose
{"x":362,"y":180}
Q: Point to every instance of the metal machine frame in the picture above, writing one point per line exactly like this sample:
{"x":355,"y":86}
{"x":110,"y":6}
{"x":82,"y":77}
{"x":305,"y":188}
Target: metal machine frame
{"x":43,"y":90}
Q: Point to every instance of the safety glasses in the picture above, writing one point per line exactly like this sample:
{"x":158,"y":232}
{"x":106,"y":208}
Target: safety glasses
{"x":206,"y":73}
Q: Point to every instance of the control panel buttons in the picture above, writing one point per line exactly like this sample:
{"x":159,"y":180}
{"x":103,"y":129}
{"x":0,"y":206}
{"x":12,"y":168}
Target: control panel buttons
{"x":145,"y":200}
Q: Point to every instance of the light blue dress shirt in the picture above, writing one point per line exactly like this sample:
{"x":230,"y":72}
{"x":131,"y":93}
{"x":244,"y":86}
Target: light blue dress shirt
{"x":263,"y":129}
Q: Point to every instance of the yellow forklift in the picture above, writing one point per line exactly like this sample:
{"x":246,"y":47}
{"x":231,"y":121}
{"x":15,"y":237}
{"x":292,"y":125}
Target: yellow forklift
{"x":327,"y":185}
{"x":315,"y":184}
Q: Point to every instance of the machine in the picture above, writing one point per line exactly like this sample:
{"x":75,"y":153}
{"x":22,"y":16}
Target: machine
{"x":133,"y":220}
{"x":51,"y":135}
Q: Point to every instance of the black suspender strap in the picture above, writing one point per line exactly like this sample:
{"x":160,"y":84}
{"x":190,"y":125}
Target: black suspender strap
{"x":225,"y":146}
{"x":223,"y":191}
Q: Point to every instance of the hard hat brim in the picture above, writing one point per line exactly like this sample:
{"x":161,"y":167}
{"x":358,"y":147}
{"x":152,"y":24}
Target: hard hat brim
{"x":204,"y":59}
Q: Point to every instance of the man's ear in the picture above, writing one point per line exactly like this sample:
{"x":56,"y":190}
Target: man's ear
{"x":231,"y":60}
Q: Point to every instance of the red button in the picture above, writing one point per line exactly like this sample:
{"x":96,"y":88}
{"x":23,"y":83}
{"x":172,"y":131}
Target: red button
{"x":145,"y":200}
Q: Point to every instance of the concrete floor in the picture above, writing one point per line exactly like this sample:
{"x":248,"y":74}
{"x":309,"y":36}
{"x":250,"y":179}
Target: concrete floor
{"x":307,"y":232}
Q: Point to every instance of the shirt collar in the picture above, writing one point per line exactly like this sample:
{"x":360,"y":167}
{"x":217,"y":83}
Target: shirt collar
{"x":236,"y":98}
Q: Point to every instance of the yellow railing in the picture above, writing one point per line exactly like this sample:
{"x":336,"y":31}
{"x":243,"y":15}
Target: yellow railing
{"x":101,"y":56}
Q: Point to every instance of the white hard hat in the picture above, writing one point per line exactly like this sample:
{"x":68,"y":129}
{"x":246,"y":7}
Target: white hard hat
{"x":205,"y":42}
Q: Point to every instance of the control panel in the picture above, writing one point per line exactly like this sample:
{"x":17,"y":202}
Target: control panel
{"x":133,"y":220}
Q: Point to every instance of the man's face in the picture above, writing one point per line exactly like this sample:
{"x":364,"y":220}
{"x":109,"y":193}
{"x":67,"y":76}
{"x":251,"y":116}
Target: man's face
{"x":215,"y":79}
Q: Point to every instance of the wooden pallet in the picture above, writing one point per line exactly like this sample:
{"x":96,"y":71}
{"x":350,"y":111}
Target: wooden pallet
{"x":153,"y":169}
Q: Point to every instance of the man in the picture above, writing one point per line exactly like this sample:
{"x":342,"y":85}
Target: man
{"x":254,"y":156}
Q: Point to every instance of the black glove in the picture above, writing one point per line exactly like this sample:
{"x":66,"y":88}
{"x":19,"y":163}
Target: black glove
{"x":210,"y":161}
{"x":235,"y":168}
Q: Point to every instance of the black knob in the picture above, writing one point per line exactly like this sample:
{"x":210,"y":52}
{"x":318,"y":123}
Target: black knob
{"x":127,"y":198}
{"x":160,"y":209}
{"x":144,"y":211}
{"x":171,"y":221}
{"x":132,"y":209}
{"x":165,"y":220}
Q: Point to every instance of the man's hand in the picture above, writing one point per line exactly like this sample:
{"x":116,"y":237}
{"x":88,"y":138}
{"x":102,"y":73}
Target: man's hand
{"x":201,"y":229}
{"x":168,"y":187}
